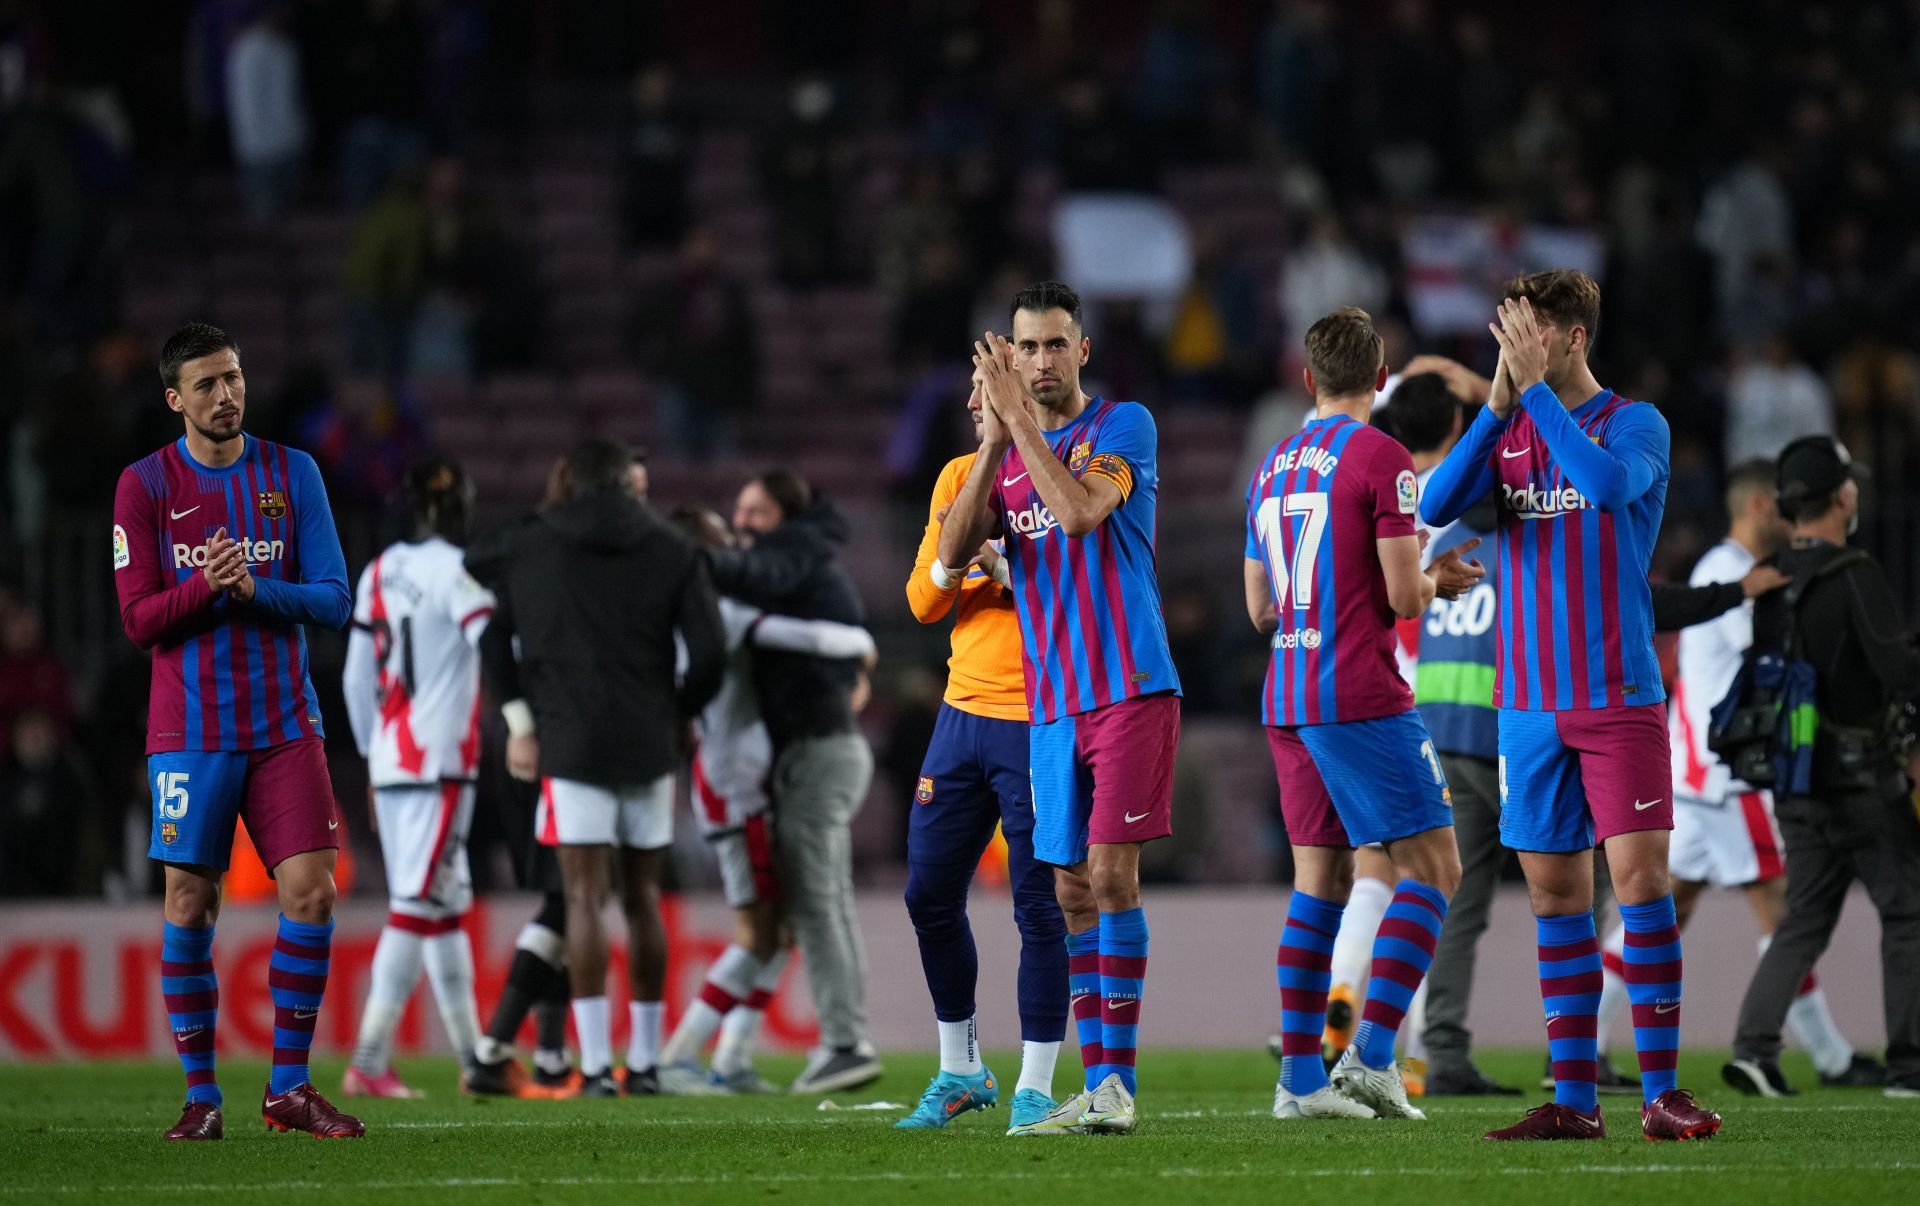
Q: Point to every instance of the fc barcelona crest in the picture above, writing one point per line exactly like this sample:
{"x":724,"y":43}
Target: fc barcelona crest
{"x":273,"y":503}
{"x":924,"y":793}
{"x":1077,"y":459}
{"x":169,"y":833}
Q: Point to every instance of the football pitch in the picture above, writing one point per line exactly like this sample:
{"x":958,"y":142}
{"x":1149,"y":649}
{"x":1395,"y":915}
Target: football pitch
{"x":74,"y":1134}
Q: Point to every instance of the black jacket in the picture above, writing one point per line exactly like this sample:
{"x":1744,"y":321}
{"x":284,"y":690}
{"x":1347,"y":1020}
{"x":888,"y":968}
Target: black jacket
{"x":1850,"y":632}
{"x":595,"y":590}
{"x":1677,"y":605}
{"x":791,"y":570}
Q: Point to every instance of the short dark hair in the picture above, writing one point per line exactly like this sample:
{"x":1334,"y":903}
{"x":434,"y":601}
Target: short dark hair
{"x":191,"y":342}
{"x":1748,"y":477}
{"x":600,"y":463}
{"x":789,"y":491}
{"x":1566,"y":297}
{"x":1042,"y":296}
{"x":1344,"y":352}
{"x":698,"y":522}
{"x":1420,"y":412}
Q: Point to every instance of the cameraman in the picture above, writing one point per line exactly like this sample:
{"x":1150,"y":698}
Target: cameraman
{"x":1857,"y":821}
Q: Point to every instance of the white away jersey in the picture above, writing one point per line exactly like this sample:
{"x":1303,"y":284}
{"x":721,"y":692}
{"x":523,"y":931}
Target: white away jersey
{"x":1710,"y":656}
{"x":412,"y":679}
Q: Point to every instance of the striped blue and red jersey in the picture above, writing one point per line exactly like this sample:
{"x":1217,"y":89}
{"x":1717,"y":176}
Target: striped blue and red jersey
{"x":1091,"y":629}
{"x":1580,"y":496}
{"x":1316,"y":507}
{"x":227,"y":675}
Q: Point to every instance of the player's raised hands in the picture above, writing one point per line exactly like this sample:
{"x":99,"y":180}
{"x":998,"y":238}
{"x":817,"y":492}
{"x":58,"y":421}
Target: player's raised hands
{"x":1453,"y":575}
{"x":999,"y":387}
{"x":1523,"y":345}
{"x":1462,"y":382}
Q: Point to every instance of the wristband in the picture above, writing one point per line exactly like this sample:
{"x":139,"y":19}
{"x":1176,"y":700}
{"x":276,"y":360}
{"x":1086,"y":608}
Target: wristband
{"x":942,"y":576}
{"x":1002,"y":574}
{"x":519,"y":717}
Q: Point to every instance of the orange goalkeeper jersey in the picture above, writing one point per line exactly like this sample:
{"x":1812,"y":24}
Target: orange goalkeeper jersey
{"x":983,"y":675}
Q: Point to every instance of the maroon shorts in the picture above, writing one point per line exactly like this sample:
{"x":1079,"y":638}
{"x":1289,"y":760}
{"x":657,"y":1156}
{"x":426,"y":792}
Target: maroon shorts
{"x":1104,"y":777}
{"x":1305,"y":804}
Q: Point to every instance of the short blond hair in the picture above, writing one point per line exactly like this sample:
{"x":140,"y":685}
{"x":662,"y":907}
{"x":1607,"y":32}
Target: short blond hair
{"x":1344,"y":352}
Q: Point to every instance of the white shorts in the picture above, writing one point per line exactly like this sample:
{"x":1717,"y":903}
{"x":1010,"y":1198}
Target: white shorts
{"x":720,"y":808}
{"x":571,"y":813}
{"x":1728,"y":844}
{"x":423,"y":838}
{"x":746,"y":862}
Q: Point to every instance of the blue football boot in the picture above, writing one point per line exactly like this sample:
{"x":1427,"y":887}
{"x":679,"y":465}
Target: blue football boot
{"x":949,"y":1096}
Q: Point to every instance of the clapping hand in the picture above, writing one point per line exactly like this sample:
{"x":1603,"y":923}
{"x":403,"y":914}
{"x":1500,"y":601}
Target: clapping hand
{"x":1453,"y":575}
{"x":999,"y":386}
{"x":1523,"y":346}
{"x":227,"y":567}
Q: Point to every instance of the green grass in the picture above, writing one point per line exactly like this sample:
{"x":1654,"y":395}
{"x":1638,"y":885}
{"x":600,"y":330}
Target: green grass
{"x":72,"y":1134}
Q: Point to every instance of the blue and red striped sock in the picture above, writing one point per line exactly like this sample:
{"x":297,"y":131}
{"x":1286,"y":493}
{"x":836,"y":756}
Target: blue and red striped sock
{"x":1083,"y":987}
{"x":1123,"y":983}
{"x":1652,"y":958}
{"x":192,"y":995}
{"x":1402,"y":952}
{"x":296,"y":979}
{"x":1570,"y":979}
{"x":1305,"y":963}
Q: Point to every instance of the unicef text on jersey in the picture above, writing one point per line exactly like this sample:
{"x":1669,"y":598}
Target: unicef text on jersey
{"x":256,"y":551}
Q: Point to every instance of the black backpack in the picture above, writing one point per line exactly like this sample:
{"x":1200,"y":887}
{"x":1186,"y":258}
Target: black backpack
{"x":1765,"y":728}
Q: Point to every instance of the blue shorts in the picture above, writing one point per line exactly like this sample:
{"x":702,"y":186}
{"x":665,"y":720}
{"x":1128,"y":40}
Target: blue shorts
{"x":283,"y":792}
{"x":974,"y":774}
{"x":1569,"y":779}
{"x":1379,"y":780}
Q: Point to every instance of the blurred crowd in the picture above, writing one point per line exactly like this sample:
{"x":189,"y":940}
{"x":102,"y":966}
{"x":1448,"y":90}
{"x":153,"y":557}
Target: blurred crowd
{"x":1743,"y":172}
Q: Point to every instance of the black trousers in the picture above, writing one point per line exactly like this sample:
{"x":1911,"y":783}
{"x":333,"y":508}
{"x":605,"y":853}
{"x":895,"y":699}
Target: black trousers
{"x":1831,"y":841}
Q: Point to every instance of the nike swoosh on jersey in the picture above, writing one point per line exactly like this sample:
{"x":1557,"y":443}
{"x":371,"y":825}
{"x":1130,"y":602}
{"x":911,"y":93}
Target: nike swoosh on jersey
{"x":1639,"y":807}
{"x":1133,"y":820}
{"x":1008,"y":481}
{"x":1522,"y":452}
{"x":173,"y":514}
{"x":333,"y":824}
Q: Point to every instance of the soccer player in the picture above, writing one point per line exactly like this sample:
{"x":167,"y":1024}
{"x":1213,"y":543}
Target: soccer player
{"x":412,"y":689}
{"x":1581,"y":474}
{"x":976,"y":774}
{"x":1724,"y":834}
{"x":732,"y":764}
{"x":1331,"y":559}
{"x":223,"y":547}
{"x":1072,"y":485}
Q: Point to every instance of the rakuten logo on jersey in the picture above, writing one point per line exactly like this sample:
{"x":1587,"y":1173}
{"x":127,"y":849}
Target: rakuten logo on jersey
{"x":1531,"y":502}
{"x":1033,"y":523}
{"x":194,"y":556}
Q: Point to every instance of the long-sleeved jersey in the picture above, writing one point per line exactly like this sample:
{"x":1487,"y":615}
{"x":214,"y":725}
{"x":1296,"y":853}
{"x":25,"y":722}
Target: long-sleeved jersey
{"x":227,"y":675}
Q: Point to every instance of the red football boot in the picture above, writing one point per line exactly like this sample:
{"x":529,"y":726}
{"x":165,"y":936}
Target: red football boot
{"x":200,"y":1120}
{"x":1676,"y":1115}
{"x":1554,"y":1121}
{"x":303,"y":1109}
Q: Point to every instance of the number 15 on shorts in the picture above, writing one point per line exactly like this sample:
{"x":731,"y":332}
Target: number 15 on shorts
{"x":173,"y":799}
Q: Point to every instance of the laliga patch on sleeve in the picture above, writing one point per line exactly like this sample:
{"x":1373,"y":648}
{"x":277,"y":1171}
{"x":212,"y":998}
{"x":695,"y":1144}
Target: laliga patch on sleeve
{"x":121,"y":557}
{"x":1404,"y":487}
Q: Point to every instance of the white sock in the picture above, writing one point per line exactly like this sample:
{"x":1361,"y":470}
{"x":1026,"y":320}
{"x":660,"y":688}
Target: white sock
{"x":1036,"y":1066}
{"x":592,"y":1022}
{"x":1413,"y":1035}
{"x":396,"y":969}
{"x":553,"y":1063}
{"x":643,"y":1039}
{"x":490,"y":1050}
{"x":741,"y":1026}
{"x":1812,"y":1026}
{"x":1613,"y":987}
{"x":1359,"y":924}
{"x":960,"y":1048}
{"x":449,"y":959}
